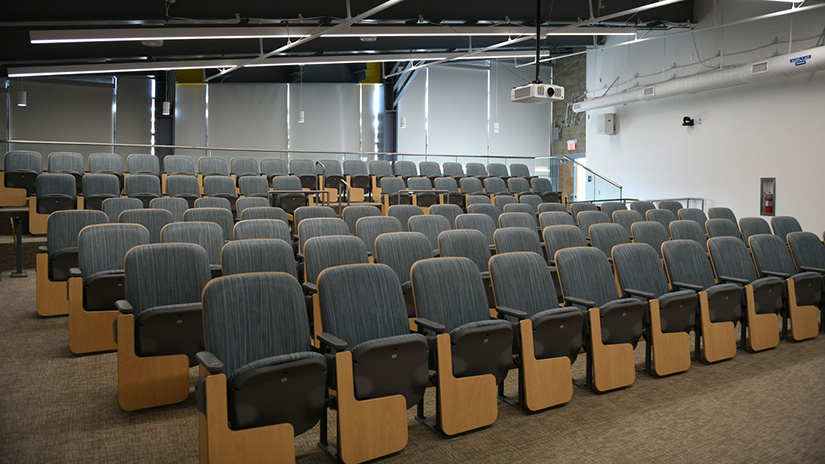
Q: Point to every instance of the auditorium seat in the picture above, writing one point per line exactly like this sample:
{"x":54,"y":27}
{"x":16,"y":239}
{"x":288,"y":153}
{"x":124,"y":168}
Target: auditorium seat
{"x":259,"y":255}
{"x":542,"y":187}
{"x":520,"y":208}
{"x":20,"y":171}
{"x":271,"y":167}
{"x":430,"y":170}
{"x":672,"y":206}
{"x":394,"y":192}
{"x":176,"y":206}
{"x":518,"y":220}
{"x":319,"y":227}
{"x":98,"y":187}
{"x":220,"y":216}
{"x":609,"y":207}
{"x":400,"y":251}
{"x":642,"y":206}
{"x":378,"y":169}
{"x":250,"y":202}
{"x":483,"y":223}
{"x":478,"y":200}
{"x":693,"y":214}
{"x":517,"y":239}
{"x":494,"y":211}
{"x":784,"y":225}
{"x":627,"y":217}
{"x":607,"y":236}
{"x":720,"y":212}
{"x":353,"y":213}
{"x":261,"y":228}
{"x":405,"y":170}
{"x":453,"y":169}
{"x":152,"y":219}
{"x":753,"y":226}
{"x":520,"y":170}
{"x":431,"y":226}
{"x":404,"y":212}
{"x":241,"y":167}
{"x":360,"y":182}
{"x":220,"y":187}
{"x":576,"y":208}
{"x":330,"y":177}
{"x":55,"y":192}
{"x":722,"y":227}
{"x":449,"y":211}
{"x":502,"y":200}
{"x":650,"y":232}
{"x":529,"y":199}
{"x":253,"y":186}
{"x":559,"y":237}
{"x":498,"y":170}
{"x":420,"y":188}
{"x":114,"y":206}
{"x":370,"y":227}
{"x":107,"y":163}
{"x":64,"y":162}
{"x":453,"y":195}
{"x":662,"y":216}
{"x":143,"y":163}
{"x":206,"y":234}
{"x":553,"y":208}
{"x":264,"y":212}
{"x":477,"y":170}
{"x":144,"y":187}
{"x":288,"y":196}
{"x":186,"y":187}
{"x":213,"y":202}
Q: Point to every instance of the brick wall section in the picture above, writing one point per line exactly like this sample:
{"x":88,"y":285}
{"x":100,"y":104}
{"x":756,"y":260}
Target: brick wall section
{"x":570,"y":73}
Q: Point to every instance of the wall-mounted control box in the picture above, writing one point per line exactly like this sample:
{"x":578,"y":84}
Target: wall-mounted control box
{"x":606,"y":124}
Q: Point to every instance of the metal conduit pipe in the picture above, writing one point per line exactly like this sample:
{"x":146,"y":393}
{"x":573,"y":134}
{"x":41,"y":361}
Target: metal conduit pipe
{"x":787,"y":65}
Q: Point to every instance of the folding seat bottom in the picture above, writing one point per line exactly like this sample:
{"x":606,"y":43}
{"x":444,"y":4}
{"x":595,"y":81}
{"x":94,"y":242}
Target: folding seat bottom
{"x":557,"y":333}
{"x":678,"y":311}
{"x":383,"y":368}
{"x":60,"y":262}
{"x":621,"y":321}
{"x":102,"y":290}
{"x":483,"y":347}
{"x":51,"y":203}
{"x":169,"y":330}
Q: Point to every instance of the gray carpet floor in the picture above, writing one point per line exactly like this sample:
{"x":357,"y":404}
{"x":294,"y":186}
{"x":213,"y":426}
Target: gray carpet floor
{"x":766,"y":407}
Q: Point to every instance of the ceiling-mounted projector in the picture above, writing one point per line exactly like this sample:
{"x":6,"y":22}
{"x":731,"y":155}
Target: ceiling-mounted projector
{"x":537,"y":93}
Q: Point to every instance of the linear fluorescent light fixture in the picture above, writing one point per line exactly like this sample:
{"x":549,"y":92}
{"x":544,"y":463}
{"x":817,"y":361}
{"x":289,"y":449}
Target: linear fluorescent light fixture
{"x":108,"y":68}
{"x":230,"y":33}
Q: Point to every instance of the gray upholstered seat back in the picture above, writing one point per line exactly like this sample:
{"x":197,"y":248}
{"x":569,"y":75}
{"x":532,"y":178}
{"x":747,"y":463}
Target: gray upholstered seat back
{"x":206,"y":234}
{"x":307,"y":212}
{"x":109,"y":163}
{"x":642,"y":206}
{"x":770,"y":253}
{"x":65,"y":161}
{"x":502,"y":200}
{"x":807,"y":250}
{"x":584,"y":272}
{"x":519,"y":170}
{"x":261,"y":228}
{"x":271,"y":167}
{"x":609,"y":207}
{"x":588,"y":218}
{"x":101,"y":185}
{"x":253,"y":185}
{"x":390,"y":184}
{"x":478,"y":200}
{"x":178,"y":185}
{"x":562,"y":236}
{"x":446,"y":183}
{"x":419,"y":183}
{"x":320,"y":227}
{"x":257,"y":255}
{"x":290,"y":183}
{"x":722,"y":228}
{"x":370,"y":227}
{"x":662,"y":216}
{"x":576,"y":208}
{"x":512,"y":239}
{"x":693,"y":214}
{"x":721,"y":212}
{"x":518,"y":220}
{"x":469,"y":244}
{"x":176,"y":206}
{"x":353,"y":213}
{"x":606,"y":236}
{"x":521,"y":208}
{"x":518,"y":185}
{"x":626,"y":217}
{"x":165,"y":274}
{"x":429,"y":168}
{"x":753,"y":226}
{"x":650,"y":232}
{"x":688,"y":230}
{"x":553,"y":208}
{"x":449,"y":291}
{"x":142,"y":184}
{"x":143,"y":163}
{"x":153,"y":219}
{"x":481,"y":222}
{"x":453,"y":169}
{"x":448,"y":211}
{"x":335,"y":250}
{"x":362,"y":303}
{"x":178,"y":165}
{"x":263,"y":212}
{"x":254,"y":316}
{"x":541,"y":185}
{"x":63,"y":226}
{"x":401,"y":250}
{"x":212,"y":166}
{"x":493,"y":211}
{"x":476,"y":170}
{"x":355,"y":168}
{"x":213,"y":202}
{"x":404,"y":212}
{"x":114,"y":206}
{"x":101,"y":248}
{"x":672,"y":206}
{"x":380,"y":168}
{"x":251,"y":202}
{"x":330,"y":168}
{"x":58,"y":185}
{"x":497,"y":170}
{"x":784,"y":225}
{"x":219,"y":186}
{"x":470,"y":185}
{"x":243,"y":166}
{"x":405,"y":169}
{"x":687,"y":262}
{"x":494,"y":185}
{"x":431,"y":225}
{"x":638,"y":267}
{"x":730,"y":258}
{"x":24,"y":161}
{"x":522,"y":281}
{"x":220,"y":216}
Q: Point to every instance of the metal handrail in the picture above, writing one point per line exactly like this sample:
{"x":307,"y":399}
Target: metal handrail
{"x":263,"y":150}
{"x":591,"y":171}
{"x":687,"y":201}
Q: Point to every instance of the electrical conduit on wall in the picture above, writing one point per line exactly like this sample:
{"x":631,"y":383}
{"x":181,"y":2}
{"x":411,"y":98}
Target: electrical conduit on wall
{"x":801,"y":62}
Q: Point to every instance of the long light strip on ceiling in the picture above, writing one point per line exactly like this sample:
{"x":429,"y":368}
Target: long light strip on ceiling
{"x":43,"y":71}
{"x":228,"y":33}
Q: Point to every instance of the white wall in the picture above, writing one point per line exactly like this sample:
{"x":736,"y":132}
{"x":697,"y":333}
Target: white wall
{"x":768,"y":129}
